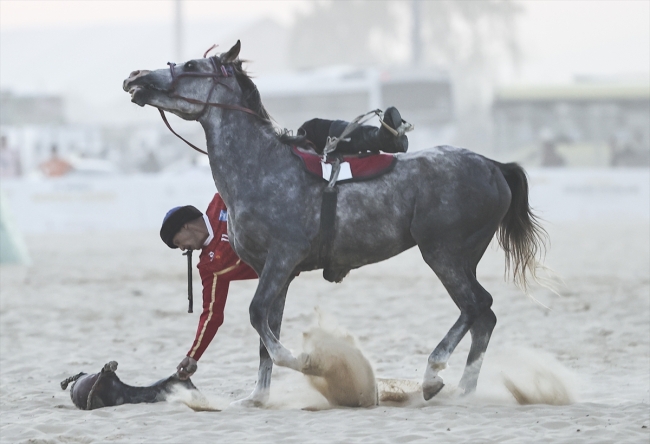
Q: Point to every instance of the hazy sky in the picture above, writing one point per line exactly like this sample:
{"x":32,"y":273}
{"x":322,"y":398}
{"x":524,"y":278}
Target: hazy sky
{"x":35,"y":13}
{"x":559,"y":38}
{"x":564,"y":38}
{"x":89,"y":46}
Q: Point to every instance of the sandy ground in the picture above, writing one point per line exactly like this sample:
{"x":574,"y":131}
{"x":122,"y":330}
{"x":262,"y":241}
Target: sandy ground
{"x":89,"y":299}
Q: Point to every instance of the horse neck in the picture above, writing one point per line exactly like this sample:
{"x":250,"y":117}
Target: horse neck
{"x":241,"y":151}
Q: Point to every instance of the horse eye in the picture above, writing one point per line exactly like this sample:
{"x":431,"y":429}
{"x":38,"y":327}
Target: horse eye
{"x":190,"y":66}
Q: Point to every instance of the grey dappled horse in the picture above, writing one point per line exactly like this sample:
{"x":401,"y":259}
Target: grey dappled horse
{"x":449,"y":202}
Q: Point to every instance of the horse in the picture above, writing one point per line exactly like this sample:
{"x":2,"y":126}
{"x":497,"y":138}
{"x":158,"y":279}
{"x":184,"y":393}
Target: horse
{"x":448,"y":201}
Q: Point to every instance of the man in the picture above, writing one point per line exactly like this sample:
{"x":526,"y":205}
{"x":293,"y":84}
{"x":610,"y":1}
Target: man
{"x":55,"y":166}
{"x":189,"y":229}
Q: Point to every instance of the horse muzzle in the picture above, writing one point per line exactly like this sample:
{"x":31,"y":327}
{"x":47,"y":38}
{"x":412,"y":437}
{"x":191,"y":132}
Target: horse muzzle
{"x":134,"y":78}
{"x":144,"y":87}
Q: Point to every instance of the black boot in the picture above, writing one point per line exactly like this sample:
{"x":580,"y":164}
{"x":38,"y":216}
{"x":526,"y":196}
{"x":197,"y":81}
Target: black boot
{"x":368,"y":138}
{"x":392,"y":143}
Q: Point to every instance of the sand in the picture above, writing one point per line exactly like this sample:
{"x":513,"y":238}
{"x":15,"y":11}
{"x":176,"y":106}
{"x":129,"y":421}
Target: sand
{"x":92,"y":298}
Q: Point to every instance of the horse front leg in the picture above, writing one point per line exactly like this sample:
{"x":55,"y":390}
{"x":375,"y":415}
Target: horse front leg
{"x":262,"y":390}
{"x":274,"y":281}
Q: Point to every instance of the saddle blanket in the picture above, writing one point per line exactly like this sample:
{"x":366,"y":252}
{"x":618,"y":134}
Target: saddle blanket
{"x":353,"y":168}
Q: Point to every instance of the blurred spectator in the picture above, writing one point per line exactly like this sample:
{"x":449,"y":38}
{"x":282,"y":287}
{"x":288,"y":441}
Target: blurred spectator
{"x":627,"y":152}
{"x":55,"y":166}
{"x":549,"y":154}
{"x":9,"y":160}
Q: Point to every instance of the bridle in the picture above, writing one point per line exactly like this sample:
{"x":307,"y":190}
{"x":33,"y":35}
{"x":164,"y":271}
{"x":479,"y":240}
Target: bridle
{"x":219,"y":71}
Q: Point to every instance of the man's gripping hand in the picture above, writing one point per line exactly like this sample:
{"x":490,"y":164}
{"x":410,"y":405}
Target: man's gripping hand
{"x":187,"y":367}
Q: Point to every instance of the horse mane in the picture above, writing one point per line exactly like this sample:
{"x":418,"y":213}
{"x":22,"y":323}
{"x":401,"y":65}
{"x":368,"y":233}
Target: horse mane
{"x":251,"y":94}
{"x":253,"y":101}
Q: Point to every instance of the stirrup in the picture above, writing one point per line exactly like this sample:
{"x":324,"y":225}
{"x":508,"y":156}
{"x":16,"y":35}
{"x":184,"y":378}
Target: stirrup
{"x":404,"y":128}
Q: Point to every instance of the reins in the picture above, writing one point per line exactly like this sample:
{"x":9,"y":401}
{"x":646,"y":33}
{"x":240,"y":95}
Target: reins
{"x":220,"y":71}
{"x":164,"y":117}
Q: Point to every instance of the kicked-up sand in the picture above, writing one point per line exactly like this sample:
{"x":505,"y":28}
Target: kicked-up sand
{"x":562,"y":369}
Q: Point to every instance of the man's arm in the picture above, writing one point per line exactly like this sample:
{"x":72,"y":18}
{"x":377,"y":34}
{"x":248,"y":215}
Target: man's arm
{"x":215,"y":293}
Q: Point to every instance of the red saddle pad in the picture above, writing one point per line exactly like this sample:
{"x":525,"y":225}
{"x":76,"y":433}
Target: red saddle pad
{"x":353,"y":168}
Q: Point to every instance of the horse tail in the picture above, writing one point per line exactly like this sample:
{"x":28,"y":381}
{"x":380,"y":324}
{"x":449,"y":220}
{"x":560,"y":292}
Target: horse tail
{"x":520,"y":233}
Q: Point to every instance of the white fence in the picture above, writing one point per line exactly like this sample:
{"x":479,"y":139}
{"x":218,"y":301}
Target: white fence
{"x":136,"y":202}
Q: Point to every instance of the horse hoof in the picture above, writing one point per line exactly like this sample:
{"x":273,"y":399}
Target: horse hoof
{"x":257,"y":398}
{"x":286,"y":359}
{"x":432,"y":388}
{"x":247,"y":403}
{"x":305,"y":364}
{"x":462,"y":392}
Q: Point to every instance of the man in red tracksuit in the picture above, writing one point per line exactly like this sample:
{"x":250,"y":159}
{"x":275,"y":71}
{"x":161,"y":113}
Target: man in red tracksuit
{"x":189,"y":229}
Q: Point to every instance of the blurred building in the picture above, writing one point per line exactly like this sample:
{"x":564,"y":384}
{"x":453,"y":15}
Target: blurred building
{"x":424,"y":98}
{"x":583,"y":124}
{"x":33,"y":146}
{"x":34,"y":109}
{"x":34,"y":134}
{"x":36,"y":140}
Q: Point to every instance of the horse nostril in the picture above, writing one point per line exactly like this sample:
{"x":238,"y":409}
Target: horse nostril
{"x":134,"y":73}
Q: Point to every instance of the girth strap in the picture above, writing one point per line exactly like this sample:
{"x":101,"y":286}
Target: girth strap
{"x":328,"y":218}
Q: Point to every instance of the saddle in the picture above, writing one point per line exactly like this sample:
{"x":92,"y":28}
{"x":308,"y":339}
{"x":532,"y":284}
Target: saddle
{"x":353,"y":168}
{"x":335,"y":169}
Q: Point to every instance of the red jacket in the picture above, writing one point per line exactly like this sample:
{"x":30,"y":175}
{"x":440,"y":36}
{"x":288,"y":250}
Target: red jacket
{"x":218,"y":265}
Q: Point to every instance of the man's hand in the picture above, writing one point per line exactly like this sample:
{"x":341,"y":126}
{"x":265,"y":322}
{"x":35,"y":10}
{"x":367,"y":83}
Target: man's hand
{"x":187,"y":367}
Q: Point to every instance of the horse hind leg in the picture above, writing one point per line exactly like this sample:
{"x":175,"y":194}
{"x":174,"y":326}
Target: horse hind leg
{"x":476,"y":316}
{"x":481,"y":332}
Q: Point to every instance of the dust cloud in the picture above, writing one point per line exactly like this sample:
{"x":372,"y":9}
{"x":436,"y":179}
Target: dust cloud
{"x":336,"y":367}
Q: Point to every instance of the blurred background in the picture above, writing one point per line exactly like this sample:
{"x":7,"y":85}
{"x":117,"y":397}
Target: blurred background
{"x":561,"y":87}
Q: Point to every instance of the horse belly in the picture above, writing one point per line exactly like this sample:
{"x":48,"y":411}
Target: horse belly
{"x":372,"y":225}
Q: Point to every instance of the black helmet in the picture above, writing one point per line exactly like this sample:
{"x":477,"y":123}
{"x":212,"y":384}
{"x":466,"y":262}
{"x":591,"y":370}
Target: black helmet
{"x":174,"y":221}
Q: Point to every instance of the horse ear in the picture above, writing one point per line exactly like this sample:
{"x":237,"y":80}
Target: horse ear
{"x":232,"y":53}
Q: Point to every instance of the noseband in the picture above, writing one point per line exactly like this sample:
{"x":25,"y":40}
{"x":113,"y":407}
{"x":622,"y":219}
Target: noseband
{"x":219,"y":71}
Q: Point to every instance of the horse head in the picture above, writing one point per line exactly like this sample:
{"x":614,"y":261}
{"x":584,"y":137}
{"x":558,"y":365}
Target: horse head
{"x":188,"y":89}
